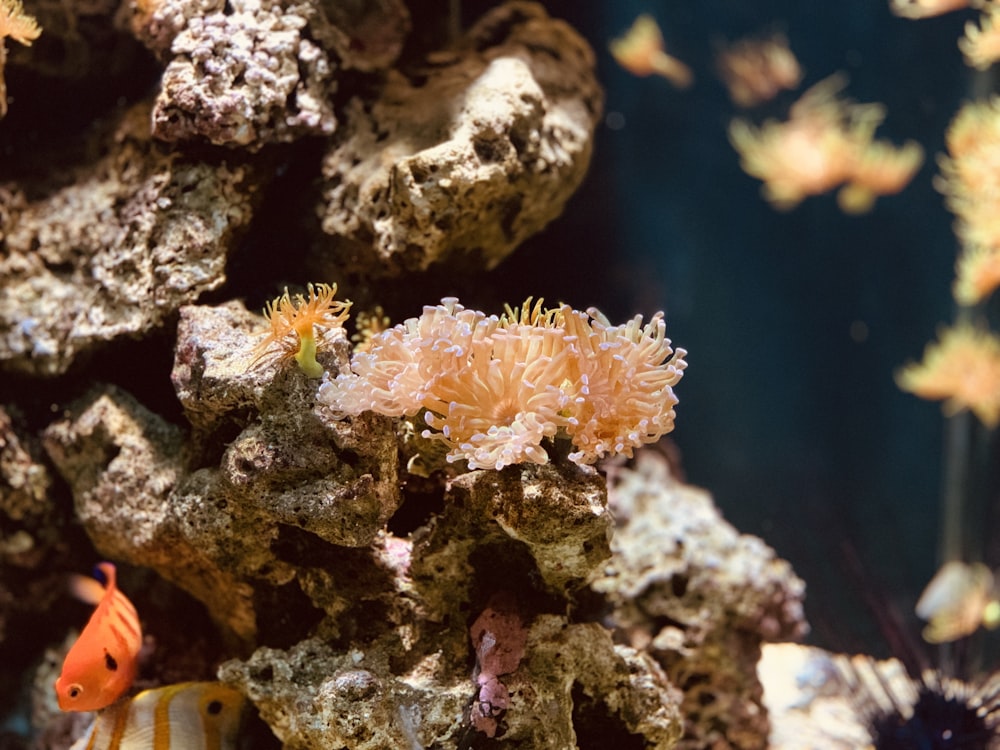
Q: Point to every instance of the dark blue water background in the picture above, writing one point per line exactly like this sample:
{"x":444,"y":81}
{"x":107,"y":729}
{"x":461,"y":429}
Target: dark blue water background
{"x":794,"y":424}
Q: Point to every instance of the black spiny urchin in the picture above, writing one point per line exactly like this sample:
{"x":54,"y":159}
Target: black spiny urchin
{"x":930,"y":713}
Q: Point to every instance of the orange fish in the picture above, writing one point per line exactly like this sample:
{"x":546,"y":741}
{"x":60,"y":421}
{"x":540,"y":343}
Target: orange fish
{"x":102,"y":663}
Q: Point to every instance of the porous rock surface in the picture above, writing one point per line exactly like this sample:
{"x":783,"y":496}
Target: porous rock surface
{"x":115,"y":249}
{"x":467,"y":155}
{"x":146,"y":497}
{"x":700,"y":597}
{"x":24,"y":479}
{"x":29,"y":523}
{"x":250,"y":72}
{"x":573,"y":679}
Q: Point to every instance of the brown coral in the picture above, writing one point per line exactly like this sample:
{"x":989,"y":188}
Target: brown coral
{"x":493,"y":388}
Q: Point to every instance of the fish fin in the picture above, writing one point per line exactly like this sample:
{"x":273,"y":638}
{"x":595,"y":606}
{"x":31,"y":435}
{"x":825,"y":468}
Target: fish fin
{"x":92,"y":590}
{"x":86,"y":589}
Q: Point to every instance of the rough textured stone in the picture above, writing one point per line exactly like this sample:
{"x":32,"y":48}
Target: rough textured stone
{"x":250,"y":72}
{"x":220,"y":531}
{"x":24,"y":480}
{"x":546,"y":522}
{"x":470,"y":154}
{"x":700,"y":597}
{"x":123,"y":463}
{"x":133,"y":236}
{"x":337,"y":482}
{"x":573,"y":679}
{"x":365,"y":35}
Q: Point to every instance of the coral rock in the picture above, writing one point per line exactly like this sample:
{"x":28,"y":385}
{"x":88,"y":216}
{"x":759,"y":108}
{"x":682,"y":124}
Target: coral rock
{"x":471,"y":155}
{"x":700,"y":597}
{"x":549,"y":521}
{"x":608,"y":694}
{"x":315,"y":697}
{"x":573,"y":680}
{"x":24,"y":480}
{"x":244,"y":78}
{"x":135,"y":235}
{"x":250,"y":72}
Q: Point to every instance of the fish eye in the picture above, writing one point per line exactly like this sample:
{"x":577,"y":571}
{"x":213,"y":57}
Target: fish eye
{"x":75,"y":690}
{"x":214,"y":707}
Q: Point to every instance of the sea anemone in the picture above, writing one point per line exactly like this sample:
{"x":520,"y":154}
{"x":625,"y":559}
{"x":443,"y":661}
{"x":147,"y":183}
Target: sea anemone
{"x":963,"y":369}
{"x":977,"y":273}
{"x":826,"y":142}
{"x":981,"y":44}
{"x":495,"y":388}
{"x":925,"y":8}
{"x":755,"y":70}
{"x":20,"y":27}
{"x":970,"y":173}
{"x":881,"y":169}
{"x":933,"y":712}
{"x":641,"y":52}
{"x":17,"y":24}
{"x":294,"y":321}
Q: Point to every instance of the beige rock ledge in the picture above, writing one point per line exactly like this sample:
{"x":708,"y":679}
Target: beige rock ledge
{"x":468,"y":155}
{"x":131,"y":237}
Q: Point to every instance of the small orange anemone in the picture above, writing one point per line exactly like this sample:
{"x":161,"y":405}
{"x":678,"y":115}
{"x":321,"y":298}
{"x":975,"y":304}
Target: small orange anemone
{"x":825,"y":143}
{"x":925,"y":8}
{"x":641,"y":52}
{"x":970,"y":181}
{"x":368,"y":325}
{"x":881,"y":169}
{"x":977,"y":274}
{"x":294,"y":320}
{"x":17,"y":24}
{"x":20,"y":27}
{"x":756,"y":70}
{"x":963,"y":369}
{"x":981,"y":44}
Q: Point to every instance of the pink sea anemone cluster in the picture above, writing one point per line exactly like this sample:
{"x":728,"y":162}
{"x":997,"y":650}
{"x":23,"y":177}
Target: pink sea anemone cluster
{"x":493,"y":388}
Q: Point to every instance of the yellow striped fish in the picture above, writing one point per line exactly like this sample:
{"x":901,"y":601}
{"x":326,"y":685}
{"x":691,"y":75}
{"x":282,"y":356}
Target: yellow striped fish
{"x":185,"y":716}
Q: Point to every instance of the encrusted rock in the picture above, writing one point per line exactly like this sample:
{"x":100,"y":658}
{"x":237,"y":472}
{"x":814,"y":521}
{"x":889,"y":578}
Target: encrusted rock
{"x":573,"y":681}
{"x":250,"y":72}
{"x":220,"y":532}
{"x":123,"y":464}
{"x":529,"y":521}
{"x":337,"y":482}
{"x":24,"y":480}
{"x":818,"y":699}
{"x":245,"y":75}
{"x":700,"y":597}
{"x":132,"y":237}
{"x":315,"y":697}
{"x":471,"y":154}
